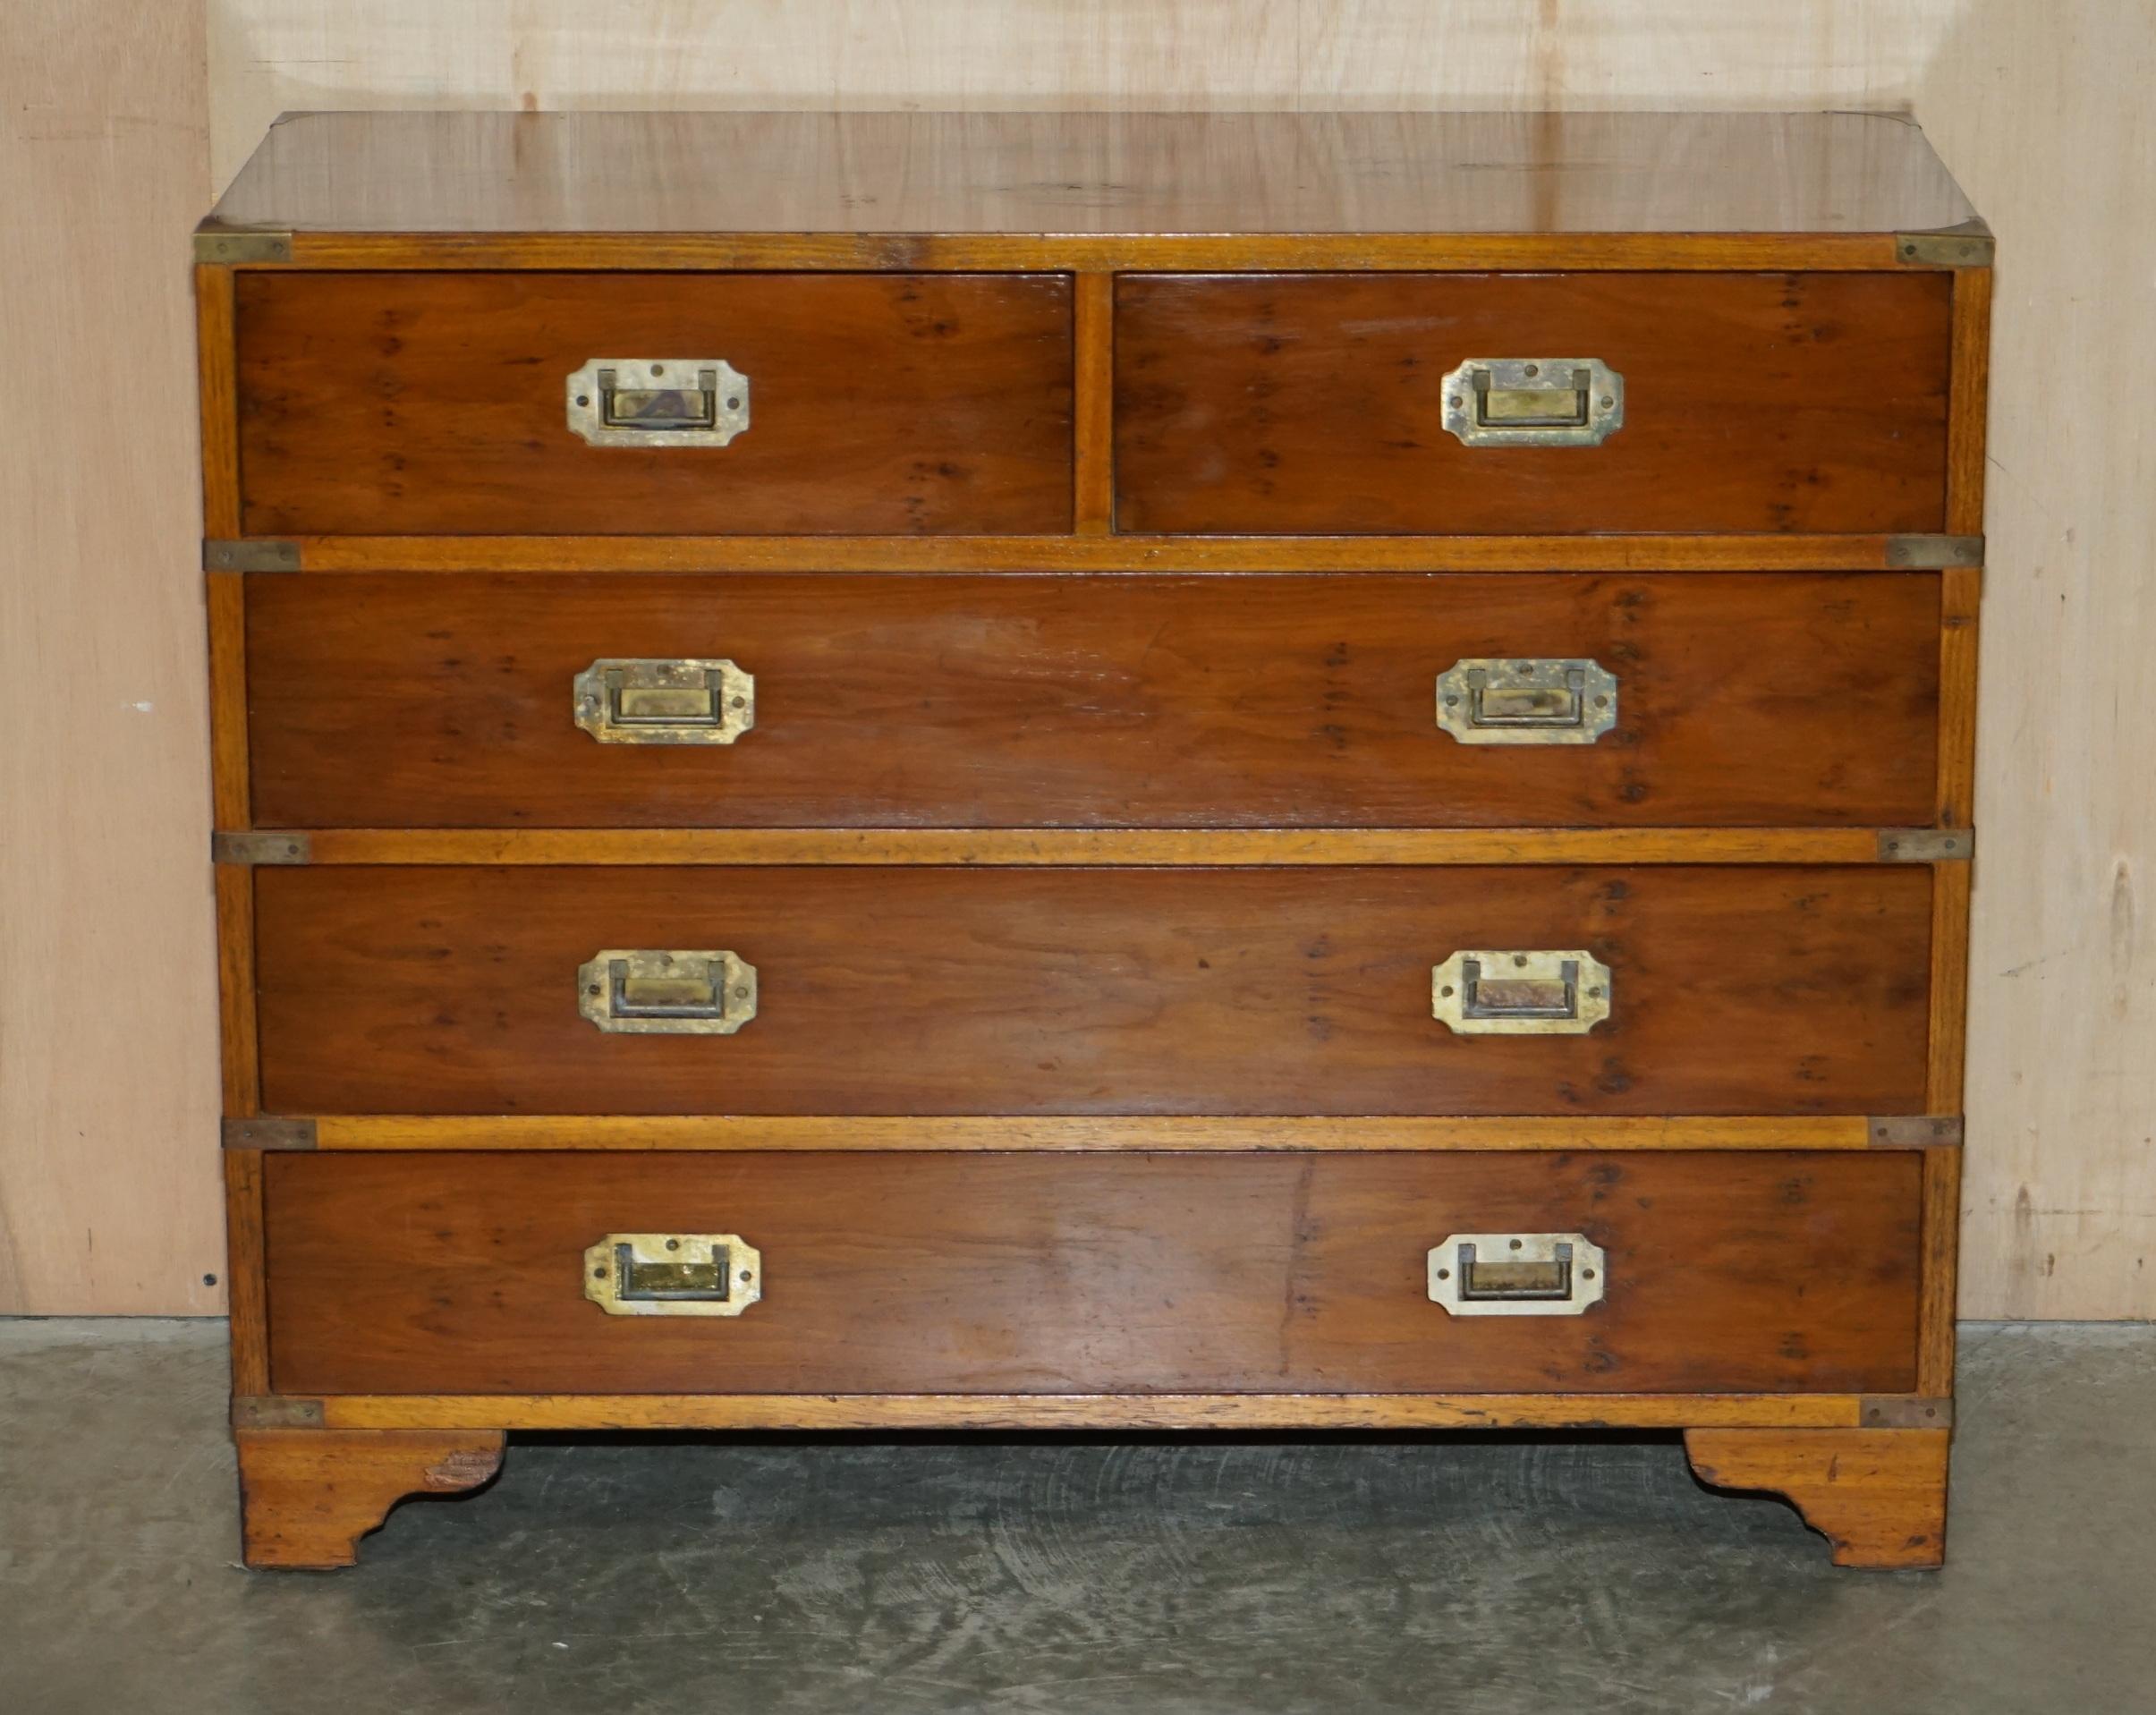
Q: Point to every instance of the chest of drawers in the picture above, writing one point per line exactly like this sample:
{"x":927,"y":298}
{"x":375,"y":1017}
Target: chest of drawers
{"x":1034,"y":771}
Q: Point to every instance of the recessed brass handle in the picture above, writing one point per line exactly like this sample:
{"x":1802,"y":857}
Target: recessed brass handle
{"x":1517,"y":1274}
{"x":646,"y":991}
{"x":1533,"y":401}
{"x":1488,"y":701}
{"x":673,"y":1274}
{"x":658,"y":402}
{"x":1515,"y":993}
{"x":687,"y":701}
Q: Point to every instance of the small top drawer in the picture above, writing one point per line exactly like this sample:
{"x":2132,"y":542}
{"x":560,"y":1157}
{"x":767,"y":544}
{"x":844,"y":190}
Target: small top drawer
{"x":1429,"y":404}
{"x":444,"y":403}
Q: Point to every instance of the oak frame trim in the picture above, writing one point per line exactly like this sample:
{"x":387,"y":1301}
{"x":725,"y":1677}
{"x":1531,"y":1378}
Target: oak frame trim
{"x":1118,"y":847}
{"x":1030,"y":1134}
{"x":1090,"y":1411}
{"x":1082,"y":253}
{"x":1104,"y":552}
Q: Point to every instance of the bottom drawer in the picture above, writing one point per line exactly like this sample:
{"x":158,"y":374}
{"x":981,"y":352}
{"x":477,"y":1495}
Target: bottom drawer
{"x":1094,"y":1273}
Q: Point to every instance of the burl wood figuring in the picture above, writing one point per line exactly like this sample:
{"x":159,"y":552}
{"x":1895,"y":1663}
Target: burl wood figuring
{"x":1049,"y":771}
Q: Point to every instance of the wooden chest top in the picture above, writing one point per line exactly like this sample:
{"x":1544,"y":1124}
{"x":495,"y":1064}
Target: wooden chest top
{"x":1833,"y":181}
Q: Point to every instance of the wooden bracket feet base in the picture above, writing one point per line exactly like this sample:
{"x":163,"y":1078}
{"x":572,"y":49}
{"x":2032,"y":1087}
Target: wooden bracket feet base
{"x":307,"y":1496}
{"x":1879,"y":1496}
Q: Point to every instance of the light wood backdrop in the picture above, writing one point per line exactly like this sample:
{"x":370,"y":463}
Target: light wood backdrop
{"x":2040,"y":109}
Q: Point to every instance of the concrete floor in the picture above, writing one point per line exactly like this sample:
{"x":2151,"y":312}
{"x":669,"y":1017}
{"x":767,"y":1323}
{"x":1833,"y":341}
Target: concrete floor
{"x":1231,"y":1576}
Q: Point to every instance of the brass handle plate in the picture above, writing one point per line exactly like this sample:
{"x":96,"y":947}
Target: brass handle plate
{"x":1533,"y":401}
{"x":1517,"y":1274}
{"x":1515,"y":993}
{"x":1485,"y":701}
{"x":673,"y":1274}
{"x":687,"y":701}
{"x":639,"y":991}
{"x":658,"y":402}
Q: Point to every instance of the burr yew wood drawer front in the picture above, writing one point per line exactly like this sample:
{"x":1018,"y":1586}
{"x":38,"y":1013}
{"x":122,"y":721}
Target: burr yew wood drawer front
{"x":1532,"y":403}
{"x":929,"y":770}
{"x":1089,"y":1274}
{"x":927,"y":990}
{"x":643,"y":403}
{"x":1351,"y":699}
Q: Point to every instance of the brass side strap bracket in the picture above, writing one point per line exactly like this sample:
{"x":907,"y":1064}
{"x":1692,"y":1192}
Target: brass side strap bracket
{"x":274,"y":1411}
{"x":236,"y":245}
{"x":253,"y":554}
{"x":260,"y":1132}
{"x":260,"y":848}
{"x":1902,"y":1411}
{"x":1934,"y":553}
{"x":1926,"y":845}
{"x":1915,"y":1131}
{"x":1966,"y":246}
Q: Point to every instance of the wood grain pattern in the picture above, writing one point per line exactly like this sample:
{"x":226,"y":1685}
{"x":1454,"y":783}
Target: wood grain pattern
{"x":1879,"y":1496}
{"x":949,"y":992}
{"x":230,"y":802}
{"x":997,"y":702}
{"x":219,"y":402}
{"x":1092,"y":1273}
{"x":909,"y":175}
{"x":1005,"y":1131}
{"x":1935,"y":1353}
{"x":109,"y":1197}
{"x":1123,"y":553}
{"x":436,"y":403}
{"x":884,"y":1413}
{"x":246,"y":1276}
{"x":238,"y":1071}
{"x":1312,"y":402}
{"x":1093,"y":307}
{"x":1005,"y":847}
{"x":307,"y":1496}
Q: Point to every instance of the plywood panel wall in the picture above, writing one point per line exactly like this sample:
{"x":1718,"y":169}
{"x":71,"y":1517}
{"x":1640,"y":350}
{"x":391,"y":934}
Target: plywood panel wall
{"x":109,"y":1107}
{"x":2036,"y":108}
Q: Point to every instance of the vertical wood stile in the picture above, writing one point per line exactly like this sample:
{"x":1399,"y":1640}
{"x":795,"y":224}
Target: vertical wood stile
{"x":215,"y":356}
{"x":242,"y":1074}
{"x":1095,"y":510}
{"x":246,"y":1277}
{"x":1941,"y":1241}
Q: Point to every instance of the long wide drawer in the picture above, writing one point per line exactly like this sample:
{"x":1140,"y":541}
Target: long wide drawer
{"x":997,"y":701}
{"x":629,"y":403}
{"x":1431,"y":402}
{"x":931,"y":990}
{"x":924,"y":1273}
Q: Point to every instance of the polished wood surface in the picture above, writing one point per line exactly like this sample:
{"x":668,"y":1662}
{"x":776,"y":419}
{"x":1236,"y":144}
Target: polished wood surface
{"x":1313,"y":403}
{"x":1012,"y":701}
{"x":308,"y":1495}
{"x":1879,"y":1496}
{"x":1093,"y":172}
{"x":902,"y":405}
{"x":1126,"y":1412}
{"x":1127,"y":552}
{"x":1030,"y":1273}
{"x":1088,"y":1132}
{"x":1759,"y":991}
{"x":640,"y":847}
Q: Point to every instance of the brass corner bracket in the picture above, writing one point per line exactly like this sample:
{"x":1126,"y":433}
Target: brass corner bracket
{"x":256,"y":554}
{"x":274,"y":1411}
{"x":1904,"y":1411}
{"x":1969,"y":245}
{"x":1915,"y":1131}
{"x":242,"y":246}
{"x":269,"y":1131}
{"x":252,"y":848}
{"x":1926,"y":845}
{"x":1934,"y":553}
